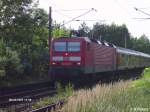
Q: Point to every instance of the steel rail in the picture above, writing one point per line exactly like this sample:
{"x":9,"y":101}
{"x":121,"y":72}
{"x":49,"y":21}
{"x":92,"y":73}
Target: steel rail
{"x":49,"y":107}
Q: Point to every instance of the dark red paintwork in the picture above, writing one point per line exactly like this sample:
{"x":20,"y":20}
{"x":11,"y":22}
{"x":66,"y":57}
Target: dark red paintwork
{"x":65,"y":62}
{"x":104,"y":58}
{"x":94,"y":57}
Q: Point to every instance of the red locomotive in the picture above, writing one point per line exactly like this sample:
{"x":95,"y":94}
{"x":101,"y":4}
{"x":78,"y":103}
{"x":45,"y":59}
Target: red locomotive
{"x":81,"y":55}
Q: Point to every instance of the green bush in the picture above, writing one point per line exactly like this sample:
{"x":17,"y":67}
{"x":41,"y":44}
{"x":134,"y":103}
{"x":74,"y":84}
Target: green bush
{"x":144,"y":82}
{"x":69,"y":89}
{"x":146,"y":73}
{"x":9,"y":61}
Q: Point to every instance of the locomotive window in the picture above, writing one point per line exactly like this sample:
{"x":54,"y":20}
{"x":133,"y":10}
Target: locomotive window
{"x":60,"y":46}
{"x":73,"y":46}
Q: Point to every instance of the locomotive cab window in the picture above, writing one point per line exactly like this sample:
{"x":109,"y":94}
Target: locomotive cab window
{"x":73,"y":46}
{"x":60,"y":46}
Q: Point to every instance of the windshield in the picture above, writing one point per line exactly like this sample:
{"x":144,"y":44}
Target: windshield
{"x":73,"y":46}
{"x":67,"y":46}
{"x":60,"y":46}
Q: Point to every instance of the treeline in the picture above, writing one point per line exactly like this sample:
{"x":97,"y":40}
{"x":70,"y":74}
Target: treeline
{"x":24,"y":39}
{"x":118,"y":35}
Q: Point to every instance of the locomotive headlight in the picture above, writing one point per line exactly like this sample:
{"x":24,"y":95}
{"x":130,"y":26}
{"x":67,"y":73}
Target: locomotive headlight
{"x":53,"y":63}
{"x":57,"y":58}
{"x":74,"y":58}
{"x":78,"y":63}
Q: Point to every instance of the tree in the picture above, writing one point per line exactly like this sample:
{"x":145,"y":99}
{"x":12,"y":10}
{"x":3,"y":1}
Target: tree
{"x":83,"y":30}
{"x":23,"y":29}
{"x":10,"y":11}
{"x":111,"y":33}
{"x":141,"y":44}
{"x":9,"y":61}
{"x":59,"y":31}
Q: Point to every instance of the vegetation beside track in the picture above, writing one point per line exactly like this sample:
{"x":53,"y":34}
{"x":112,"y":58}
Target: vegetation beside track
{"x":144,"y":82}
{"x":124,"y":96}
{"x":62,"y":93}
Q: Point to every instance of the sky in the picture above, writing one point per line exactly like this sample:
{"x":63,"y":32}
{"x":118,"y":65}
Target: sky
{"x":107,"y":11}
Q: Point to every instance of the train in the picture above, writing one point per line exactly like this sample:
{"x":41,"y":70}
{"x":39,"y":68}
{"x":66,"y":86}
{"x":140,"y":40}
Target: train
{"x":76,"y":56}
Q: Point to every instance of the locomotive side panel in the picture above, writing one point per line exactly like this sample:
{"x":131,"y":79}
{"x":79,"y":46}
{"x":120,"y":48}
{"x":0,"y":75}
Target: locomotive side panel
{"x":88,"y":58}
{"x":104,"y":58}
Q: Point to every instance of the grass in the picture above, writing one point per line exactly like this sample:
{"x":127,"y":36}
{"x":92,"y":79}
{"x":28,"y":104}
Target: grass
{"x":124,"y":96}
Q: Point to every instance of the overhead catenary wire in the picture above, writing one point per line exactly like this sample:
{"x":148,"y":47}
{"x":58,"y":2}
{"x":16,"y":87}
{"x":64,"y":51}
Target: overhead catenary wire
{"x":144,"y":8}
{"x":90,"y":20}
{"x":63,"y":14}
{"x":70,"y":10}
{"x":141,"y":18}
{"x":92,"y":9}
{"x":137,"y":9}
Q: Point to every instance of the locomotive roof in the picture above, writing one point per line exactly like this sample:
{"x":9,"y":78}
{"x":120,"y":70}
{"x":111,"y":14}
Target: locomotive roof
{"x":98,"y":42}
{"x":119,"y":49}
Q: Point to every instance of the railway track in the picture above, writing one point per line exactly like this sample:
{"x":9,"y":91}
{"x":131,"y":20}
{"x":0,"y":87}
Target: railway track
{"x":49,"y":107}
{"x":21,"y":97}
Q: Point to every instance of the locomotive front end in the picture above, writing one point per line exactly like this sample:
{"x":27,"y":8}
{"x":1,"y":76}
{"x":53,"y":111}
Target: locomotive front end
{"x":66,"y":58}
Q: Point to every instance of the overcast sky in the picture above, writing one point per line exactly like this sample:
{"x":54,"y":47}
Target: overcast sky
{"x":117,"y":11}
